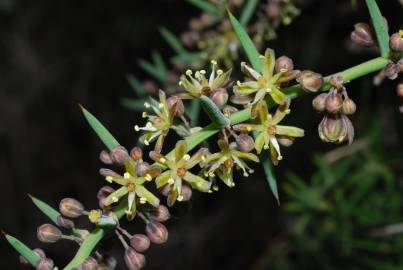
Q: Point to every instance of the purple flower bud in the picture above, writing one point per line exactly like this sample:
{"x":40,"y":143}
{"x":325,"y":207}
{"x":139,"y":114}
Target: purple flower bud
{"x":140,"y":242}
{"x":310,"y":80}
{"x":363,"y":35}
{"x":349,"y":106}
{"x":336,"y":81}
{"x":336,"y":129}
{"x":71,"y":208}
{"x":285,"y":141}
{"x":186,"y":193}
{"x":136,"y":153}
{"x":89,"y":264}
{"x":48,"y":233}
{"x":391,"y":71}
{"x":319,"y":102}
{"x":134,"y":260}
{"x":219,"y":97}
{"x":157,"y":232}
{"x":160,"y":213}
{"x":245,"y":143}
{"x":273,"y":9}
{"x":45,"y":264}
{"x":105,"y":191}
{"x":334,"y":102}
{"x":284,"y":63}
{"x":64,"y":222}
{"x":142,"y":168}
{"x":399,"y":89}
{"x":105,"y":157}
{"x":119,"y":154}
{"x":396,"y":41}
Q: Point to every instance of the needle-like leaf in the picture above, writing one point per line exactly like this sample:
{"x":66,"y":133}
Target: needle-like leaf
{"x":247,"y":11}
{"x":21,"y":248}
{"x":46,"y":209}
{"x":173,"y":41}
{"x":207,"y":7}
{"x":136,"y":85}
{"x":213,"y":112}
{"x":382,"y":34}
{"x":153,"y":70}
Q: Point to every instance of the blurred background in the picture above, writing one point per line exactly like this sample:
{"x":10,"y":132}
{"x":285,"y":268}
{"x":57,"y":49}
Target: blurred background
{"x":337,"y":204}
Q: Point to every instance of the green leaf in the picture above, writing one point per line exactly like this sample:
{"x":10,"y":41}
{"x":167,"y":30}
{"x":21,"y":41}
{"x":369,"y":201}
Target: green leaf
{"x":188,"y":58}
{"x":106,"y":137}
{"x":214,"y":113}
{"x":193,"y":112}
{"x":153,"y":70}
{"x":248,"y":11}
{"x":380,"y":28}
{"x":173,"y":41}
{"x":25,"y":251}
{"x":158,"y":61}
{"x":136,"y":85}
{"x":207,"y":7}
{"x":246,"y":42}
{"x":134,"y":104}
{"x":271,"y":180}
{"x":46,"y":209}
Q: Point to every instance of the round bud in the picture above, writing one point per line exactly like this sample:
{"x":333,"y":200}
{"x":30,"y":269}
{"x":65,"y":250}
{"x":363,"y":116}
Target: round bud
{"x":336,"y":81}
{"x":349,"y":106}
{"x":284,"y":63}
{"x":391,"y":71}
{"x":64,"y":222}
{"x":176,"y":102}
{"x":220,"y":97}
{"x":229,"y":110}
{"x":273,"y":10}
{"x":400,"y":64}
{"x":186,"y":193}
{"x":245,"y":143}
{"x":195,"y":24}
{"x":105,"y":157}
{"x":334,"y":102}
{"x":160,"y":213}
{"x":45,"y":264}
{"x":363,"y":35}
{"x":89,"y":264}
{"x":285,"y":141}
{"x":136,"y":153}
{"x":119,"y":154}
{"x":48,"y":233}
{"x":399,"y":89}
{"x":156,"y":232}
{"x":396,"y":41}
{"x":103,"y":193}
{"x":332,"y":129}
{"x":71,"y":208}
{"x":140,"y":242}
{"x":142,"y":168}
{"x":310,"y":81}
{"x":319,"y":102}
{"x":165,"y":190}
{"x":134,"y":260}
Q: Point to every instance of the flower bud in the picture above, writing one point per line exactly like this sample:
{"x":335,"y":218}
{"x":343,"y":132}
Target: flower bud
{"x":400,"y":64}
{"x":140,"y":242}
{"x":157,"y":232}
{"x":349,"y":106}
{"x":334,"y":102}
{"x":245,"y":143}
{"x":399,"y":89}
{"x":319,"y":102}
{"x":45,"y":264}
{"x":229,"y":110}
{"x":119,"y":154}
{"x":104,"y":192}
{"x":165,"y":190}
{"x":65,"y":223}
{"x":284,"y":63}
{"x":310,"y":80}
{"x":142,"y":168}
{"x":285,"y":141}
{"x":71,"y":208}
{"x":273,"y":9}
{"x":186,"y":193}
{"x":136,"y":153}
{"x":89,"y":264}
{"x":219,"y":97}
{"x":176,"y":103}
{"x":25,"y":264}
{"x":160,"y":213}
{"x":47,"y":233}
{"x":195,"y":24}
{"x":336,"y":81}
{"x":396,"y":41}
{"x":332,"y":129}
{"x":363,"y":35}
{"x":134,"y":260}
{"x":391,"y":71}
{"x":105,"y":157}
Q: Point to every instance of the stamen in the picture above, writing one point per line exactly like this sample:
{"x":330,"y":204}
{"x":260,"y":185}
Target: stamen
{"x":148,"y":177}
{"x":160,"y":105}
{"x":146,"y":142}
{"x":171,"y":181}
{"x":219,"y":72}
{"x":268,"y":90}
{"x":126,"y":175}
{"x":109,"y":179}
{"x":144,"y":115}
{"x":136,"y":128}
{"x":186,"y":157}
{"x":115,"y":199}
{"x":162,"y":160}
{"x":203,"y":72}
{"x":143,"y":200}
{"x":147,"y":105}
{"x":180,"y":198}
{"x":213,"y":62}
{"x":189,"y":72}
{"x":279,"y":157}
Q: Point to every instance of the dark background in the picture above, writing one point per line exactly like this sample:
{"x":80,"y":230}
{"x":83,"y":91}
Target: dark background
{"x":56,"y":54}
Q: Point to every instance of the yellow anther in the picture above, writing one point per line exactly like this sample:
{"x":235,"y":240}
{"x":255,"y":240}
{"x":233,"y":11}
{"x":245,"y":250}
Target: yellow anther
{"x":287,"y":111}
{"x":149,"y":125}
{"x":115,"y":199}
{"x":144,"y":115}
{"x":268,"y":90}
{"x":219,"y":72}
{"x":146,"y":142}
{"x":128,"y":212}
{"x":203,"y":158}
{"x":266,"y":146}
{"x":180,"y":198}
{"x":238,"y":83}
{"x":248,"y":128}
{"x":210,"y":191}
{"x":180,"y":83}
{"x":109,"y":179}
{"x":283,"y":70}
{"x":251,"y":171}
{"x":189,"y":72}
{"x":213,"y":62}
{"x":186,"y":157}
{"x":279,"y":157}
{"x":143,"y":200}
{"x":136,"y":128}
{"x":160,"y":105}
{"x":126,"y":175}
{"x":245,"y":174}
{"x":203,"y":72}
{"x":211,"y":174}
{"x":148,"y":177}
{"x":215,"y":188}
{"x":162,"y":160}
{"x":147,"y":105}
{"x":171,"y":181}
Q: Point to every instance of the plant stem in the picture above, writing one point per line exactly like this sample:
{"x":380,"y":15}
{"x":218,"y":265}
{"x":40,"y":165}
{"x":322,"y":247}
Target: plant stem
{"x":192,"y":141}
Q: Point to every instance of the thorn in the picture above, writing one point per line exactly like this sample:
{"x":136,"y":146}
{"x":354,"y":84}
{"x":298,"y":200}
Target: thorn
{"x":82,"y":108}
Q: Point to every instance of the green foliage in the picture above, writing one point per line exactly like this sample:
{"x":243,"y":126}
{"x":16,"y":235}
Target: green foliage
{"x":206,"y":6}
{"x":49,"y":211}
{"x":271,"y":179}
{"x":136,"y":85}
{"x":248,"y":11}
{"x":380,"y":27}
{"x":23,"y":250}
{"x":173,"y":41}
{"x":213,"y":112}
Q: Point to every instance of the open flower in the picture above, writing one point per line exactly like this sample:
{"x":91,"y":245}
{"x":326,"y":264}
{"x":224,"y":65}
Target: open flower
{"x":269,"y":131}
{"x":199,"y":85}
{"x":159,"y":124}
{"x":262,"y":84}
{"x":223,"y":162}
{"x":178,"y":166}
{"x":132,"y":185}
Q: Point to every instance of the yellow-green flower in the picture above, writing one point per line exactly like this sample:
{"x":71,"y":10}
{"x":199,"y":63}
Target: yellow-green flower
{"x":263,"y":83}
{"x":178,"y":166}
{"x":223,"y":162}
{"x":132,"y":185}
{"x":199,"y":84}
{"x":158,"y":125}
{"x":269,"y":130}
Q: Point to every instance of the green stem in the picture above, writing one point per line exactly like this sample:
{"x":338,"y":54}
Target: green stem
{"x":348,"y":75}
